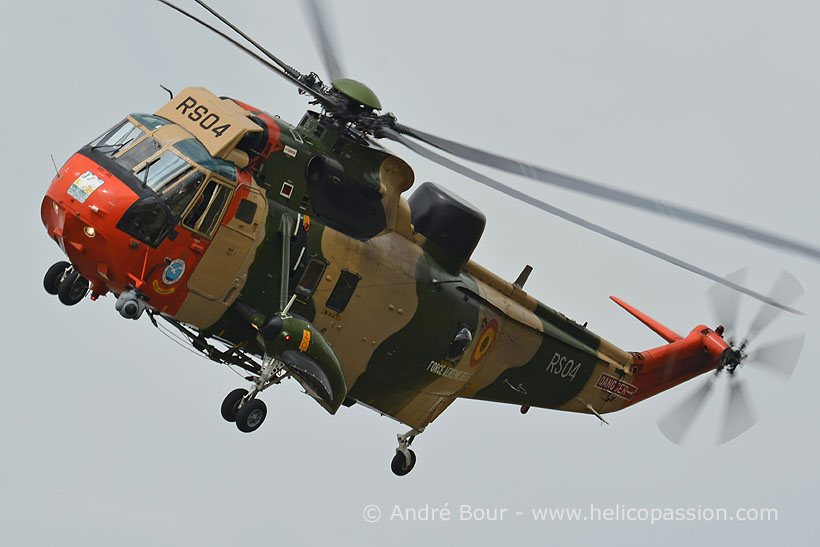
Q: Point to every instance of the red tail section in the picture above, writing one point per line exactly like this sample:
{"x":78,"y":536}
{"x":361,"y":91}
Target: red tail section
{"x":682,"y":359}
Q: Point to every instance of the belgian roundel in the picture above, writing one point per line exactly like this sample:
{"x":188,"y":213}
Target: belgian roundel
{"x":484,"y":343}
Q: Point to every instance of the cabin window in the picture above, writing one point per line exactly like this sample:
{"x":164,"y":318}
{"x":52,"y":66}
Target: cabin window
{"x":246,"y":211}
{"x":343,"y":291}
{"x":458,"y":347}
{"x":121,"y":136}
{"x":310,"y":279}
{"x":207,"y":208}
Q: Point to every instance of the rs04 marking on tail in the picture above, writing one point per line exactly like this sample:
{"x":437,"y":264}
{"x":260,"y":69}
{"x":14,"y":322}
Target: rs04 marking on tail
{"x":562,"y":366}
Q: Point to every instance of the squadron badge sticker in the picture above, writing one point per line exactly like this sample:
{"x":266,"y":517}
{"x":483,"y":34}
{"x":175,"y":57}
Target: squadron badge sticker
{"x":84,"y":186}
{"x":173,"y":272}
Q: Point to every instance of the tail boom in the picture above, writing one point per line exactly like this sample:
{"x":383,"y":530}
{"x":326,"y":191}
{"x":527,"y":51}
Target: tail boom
{"x":658,"y":369}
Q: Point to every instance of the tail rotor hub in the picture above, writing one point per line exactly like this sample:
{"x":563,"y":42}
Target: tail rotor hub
{"x":731,"y":359}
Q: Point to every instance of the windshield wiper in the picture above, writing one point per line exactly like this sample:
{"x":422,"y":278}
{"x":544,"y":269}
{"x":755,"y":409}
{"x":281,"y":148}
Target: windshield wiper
{"x":145,"y":177}
{"x":117,"y":146}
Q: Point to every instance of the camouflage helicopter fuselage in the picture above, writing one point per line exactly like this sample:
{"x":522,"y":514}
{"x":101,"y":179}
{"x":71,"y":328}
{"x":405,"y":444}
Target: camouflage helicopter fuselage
{"x":387,"y":300}
{"x":410,"y":298}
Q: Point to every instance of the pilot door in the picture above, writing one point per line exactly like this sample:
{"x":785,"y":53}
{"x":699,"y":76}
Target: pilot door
{"x":221,"y":273}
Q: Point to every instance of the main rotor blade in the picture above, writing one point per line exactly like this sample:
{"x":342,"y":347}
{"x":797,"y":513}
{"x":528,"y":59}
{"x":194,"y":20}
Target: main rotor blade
{"x":606,"y":192}
{"x":291,"y":78}
{"x":292,"y":72}
{"x":780,"y":357}
{"x":321,"y":31}
{"x":787,"y":289}
{"x":726,"y":302}
{"x":676,"y":424}
{"x":739,"y":415}
{"x":517,"y":194}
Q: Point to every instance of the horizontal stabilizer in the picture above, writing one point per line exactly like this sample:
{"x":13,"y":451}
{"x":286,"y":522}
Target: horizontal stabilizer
{"x":664,"y":332}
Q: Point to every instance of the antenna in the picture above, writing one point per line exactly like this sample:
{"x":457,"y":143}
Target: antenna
{"x":171,"y":93}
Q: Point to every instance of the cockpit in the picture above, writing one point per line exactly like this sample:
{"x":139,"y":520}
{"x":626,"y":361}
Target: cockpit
{"x":176,"y":179}
{"x":140,"y":207}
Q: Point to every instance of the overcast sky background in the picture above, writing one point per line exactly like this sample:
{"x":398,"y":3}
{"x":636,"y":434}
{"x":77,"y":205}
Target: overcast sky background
{"x":111,"y":434}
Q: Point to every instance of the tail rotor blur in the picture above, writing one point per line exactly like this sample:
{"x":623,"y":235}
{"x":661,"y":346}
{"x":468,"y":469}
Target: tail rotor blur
{"x":779,"y":357}
{"x":677,"y":423}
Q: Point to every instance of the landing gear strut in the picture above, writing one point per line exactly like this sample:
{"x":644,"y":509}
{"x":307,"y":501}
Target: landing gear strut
{"x":242,"y":407}
{"x":405,"y":459}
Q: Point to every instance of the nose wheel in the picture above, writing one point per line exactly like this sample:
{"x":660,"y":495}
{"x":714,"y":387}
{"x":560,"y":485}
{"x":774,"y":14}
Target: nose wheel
{"x":66,"y":283}
{"x":72,"y":289}
{"x":54,"y":276}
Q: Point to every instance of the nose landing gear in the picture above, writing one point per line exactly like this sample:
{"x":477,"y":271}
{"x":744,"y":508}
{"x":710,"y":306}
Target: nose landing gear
{"x":66,"y":283}
{"x":54,"y":276}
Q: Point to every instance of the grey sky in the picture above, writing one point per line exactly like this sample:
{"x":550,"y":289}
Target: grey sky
{"x":112,"y":434}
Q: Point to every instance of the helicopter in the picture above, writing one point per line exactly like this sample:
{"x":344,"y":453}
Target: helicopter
{"x":289,"y":251}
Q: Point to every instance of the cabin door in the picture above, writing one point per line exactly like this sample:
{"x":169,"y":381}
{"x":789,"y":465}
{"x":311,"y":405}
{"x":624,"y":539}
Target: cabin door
{"x":223,"y":269}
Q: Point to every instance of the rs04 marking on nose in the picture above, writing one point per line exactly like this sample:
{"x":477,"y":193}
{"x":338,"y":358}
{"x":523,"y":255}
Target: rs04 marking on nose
{"x":200,"y":113}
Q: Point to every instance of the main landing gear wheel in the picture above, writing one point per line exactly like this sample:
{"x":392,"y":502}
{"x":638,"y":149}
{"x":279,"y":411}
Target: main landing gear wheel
{"x":400,"y":465}
{"x":54,"y":275}
{"x":251,"y":415}
{"x":72,"y":289}
{"x":230,"y":405}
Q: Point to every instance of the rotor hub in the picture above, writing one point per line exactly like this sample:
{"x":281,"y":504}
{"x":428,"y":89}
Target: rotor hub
{"x":732,"y":358}
{"x":358,"y":92}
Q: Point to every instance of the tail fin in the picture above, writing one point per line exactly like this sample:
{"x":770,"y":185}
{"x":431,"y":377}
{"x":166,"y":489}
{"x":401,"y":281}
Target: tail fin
{"x":664,"y":332}
{"x":681,"y":359}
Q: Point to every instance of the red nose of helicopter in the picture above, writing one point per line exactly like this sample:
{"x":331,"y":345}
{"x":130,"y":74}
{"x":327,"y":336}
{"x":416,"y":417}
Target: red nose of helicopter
{"x":136,"y":210}
{"x":80,"y":212}
{"x":113,"y":209}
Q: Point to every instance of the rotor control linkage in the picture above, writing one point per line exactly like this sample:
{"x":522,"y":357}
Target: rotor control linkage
{"x":405,"y":459}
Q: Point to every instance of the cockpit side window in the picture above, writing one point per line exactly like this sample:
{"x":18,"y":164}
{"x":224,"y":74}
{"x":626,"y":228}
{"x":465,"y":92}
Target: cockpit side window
{"x":146,"y":220}
{"x":207,"y":208}
{"x":179,"y":194}
{"x":139,"y":153}
{"x":163,"y":171}
{"x":121,"y":136}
